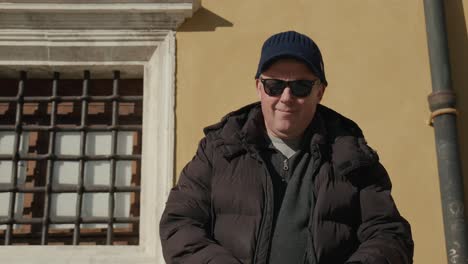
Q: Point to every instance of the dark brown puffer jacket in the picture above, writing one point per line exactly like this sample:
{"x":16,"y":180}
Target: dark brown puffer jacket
{"x":220,"y":211}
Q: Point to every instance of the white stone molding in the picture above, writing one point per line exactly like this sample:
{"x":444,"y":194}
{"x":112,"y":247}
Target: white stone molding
{"x":108,"y":15}
{"x":71,"y":51}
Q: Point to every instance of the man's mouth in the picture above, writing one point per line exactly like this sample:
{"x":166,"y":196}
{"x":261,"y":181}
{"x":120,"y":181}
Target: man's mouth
{"x":290,"y":111}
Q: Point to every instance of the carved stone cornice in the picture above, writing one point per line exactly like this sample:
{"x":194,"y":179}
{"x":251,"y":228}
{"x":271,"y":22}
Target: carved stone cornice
{"x":96,"y":15}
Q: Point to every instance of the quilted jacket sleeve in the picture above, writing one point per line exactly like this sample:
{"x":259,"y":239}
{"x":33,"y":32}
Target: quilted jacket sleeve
{"x":385,"y":236}
{"x":185,"y":223}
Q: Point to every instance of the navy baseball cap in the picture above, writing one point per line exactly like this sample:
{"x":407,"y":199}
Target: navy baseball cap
{"x":291,"y":44}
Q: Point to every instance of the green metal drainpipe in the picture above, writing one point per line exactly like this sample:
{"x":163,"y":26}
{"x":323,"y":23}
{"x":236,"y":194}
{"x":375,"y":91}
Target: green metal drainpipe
{"x":442,"y":101}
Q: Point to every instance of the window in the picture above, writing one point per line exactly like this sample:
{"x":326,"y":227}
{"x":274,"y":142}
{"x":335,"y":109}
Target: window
{"x":137,"y":39}
{"x":155,"y":74}
{"x":75,"y":148}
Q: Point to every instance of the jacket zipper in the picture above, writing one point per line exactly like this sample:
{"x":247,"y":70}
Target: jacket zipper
{"x":285,"y":165}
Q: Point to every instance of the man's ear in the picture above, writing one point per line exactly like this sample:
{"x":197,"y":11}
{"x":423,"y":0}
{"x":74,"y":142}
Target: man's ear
{"x":258,"y":86}
{"x":321,"y":91}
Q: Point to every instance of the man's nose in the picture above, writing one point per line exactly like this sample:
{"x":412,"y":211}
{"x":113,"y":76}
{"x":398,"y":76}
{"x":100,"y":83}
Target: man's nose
{"x":286,"y":95}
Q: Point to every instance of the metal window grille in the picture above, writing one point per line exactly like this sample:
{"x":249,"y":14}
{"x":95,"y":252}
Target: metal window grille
{"x":41,"y":118}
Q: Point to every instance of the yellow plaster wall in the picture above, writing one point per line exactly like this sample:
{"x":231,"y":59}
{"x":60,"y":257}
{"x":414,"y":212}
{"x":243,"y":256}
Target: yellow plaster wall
{"x":377,"y":65}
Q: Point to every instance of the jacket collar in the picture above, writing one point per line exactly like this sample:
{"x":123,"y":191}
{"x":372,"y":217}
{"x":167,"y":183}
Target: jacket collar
{"x":239,"y":132}
{"x":348,"y":147}
{"x":333,"y":136}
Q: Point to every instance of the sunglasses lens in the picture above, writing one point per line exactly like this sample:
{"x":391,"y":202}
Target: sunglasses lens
{"x":274,"y":87}
{"x":301,"y":88}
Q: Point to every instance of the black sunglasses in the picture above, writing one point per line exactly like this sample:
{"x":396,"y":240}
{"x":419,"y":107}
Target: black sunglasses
{"x":299,"y":88}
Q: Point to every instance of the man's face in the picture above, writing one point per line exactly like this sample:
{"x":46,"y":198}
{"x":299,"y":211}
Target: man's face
{"x":287,"y":116}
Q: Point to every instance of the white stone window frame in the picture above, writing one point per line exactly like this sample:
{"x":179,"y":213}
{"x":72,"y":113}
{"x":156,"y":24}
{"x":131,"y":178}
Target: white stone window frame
{"x":137,"y":49}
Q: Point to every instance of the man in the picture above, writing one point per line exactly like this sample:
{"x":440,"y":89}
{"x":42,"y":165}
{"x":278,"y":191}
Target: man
{"x":286,"y":180}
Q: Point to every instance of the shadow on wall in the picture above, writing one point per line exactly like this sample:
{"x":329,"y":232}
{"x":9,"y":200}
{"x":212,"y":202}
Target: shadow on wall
{"x":204,"y":20}
{"x":458,"y":49}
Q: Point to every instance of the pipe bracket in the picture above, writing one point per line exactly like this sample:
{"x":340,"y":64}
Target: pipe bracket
{"x":441,"y":103}
{"x":439,"y":112}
